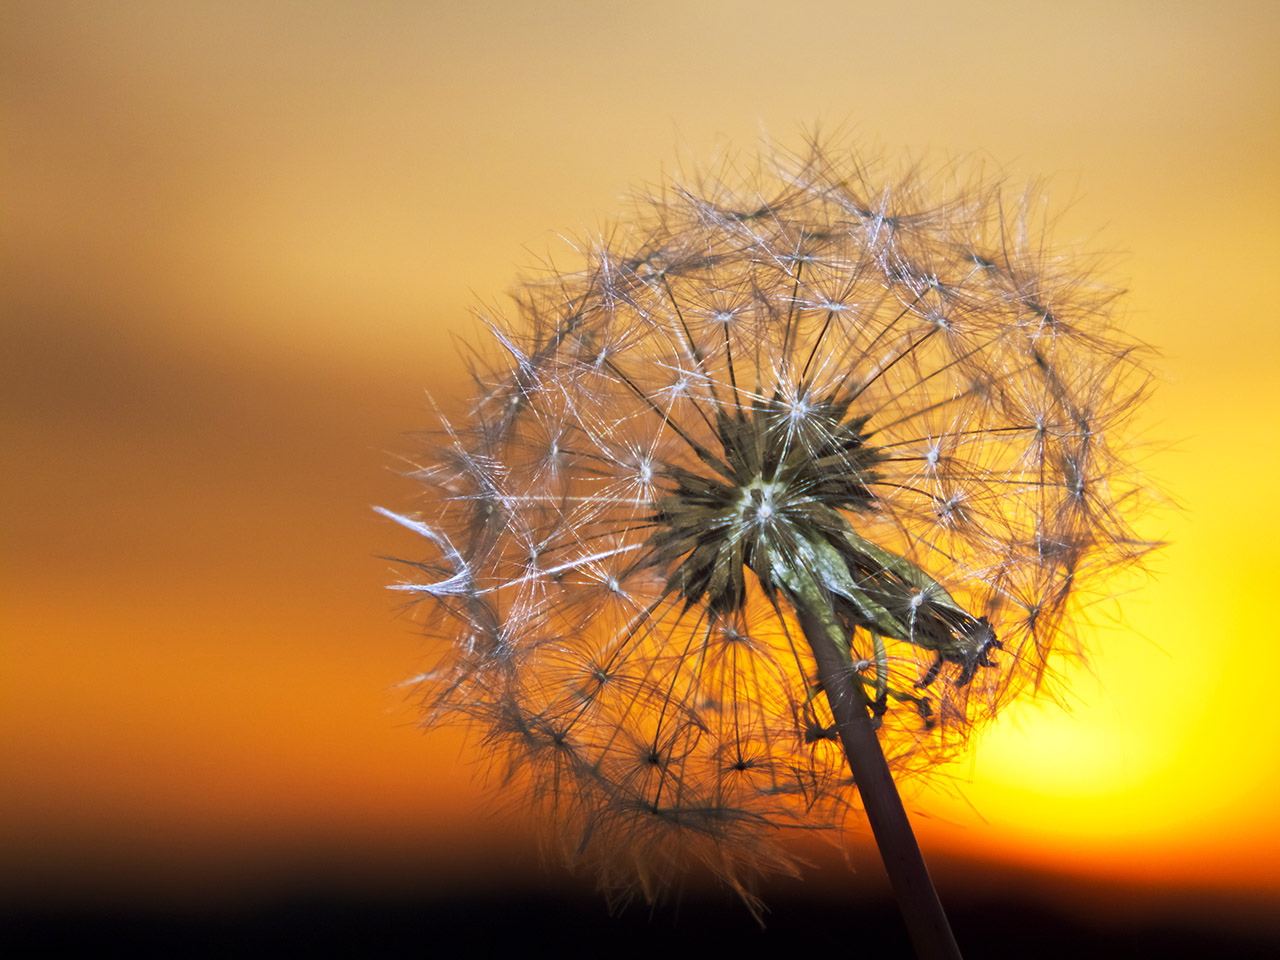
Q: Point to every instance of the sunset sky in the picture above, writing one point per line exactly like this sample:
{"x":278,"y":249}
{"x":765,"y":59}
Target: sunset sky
{"x":241,"y":240}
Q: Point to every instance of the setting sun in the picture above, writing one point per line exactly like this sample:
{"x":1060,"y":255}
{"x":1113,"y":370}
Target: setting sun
{"x":244,"y":246}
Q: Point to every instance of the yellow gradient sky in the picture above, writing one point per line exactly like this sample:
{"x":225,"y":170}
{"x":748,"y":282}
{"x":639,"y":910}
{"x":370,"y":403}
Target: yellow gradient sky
{"x":240,"y":239}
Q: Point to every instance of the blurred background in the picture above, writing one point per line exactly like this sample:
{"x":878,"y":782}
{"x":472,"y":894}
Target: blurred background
{"x":240,"y":241}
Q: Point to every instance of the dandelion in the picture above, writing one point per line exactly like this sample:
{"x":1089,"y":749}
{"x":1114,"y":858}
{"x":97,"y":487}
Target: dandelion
{"x":778,"y":497}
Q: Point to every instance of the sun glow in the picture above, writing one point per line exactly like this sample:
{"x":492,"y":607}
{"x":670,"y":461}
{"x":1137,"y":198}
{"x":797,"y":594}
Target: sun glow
{"x":240,"y":243}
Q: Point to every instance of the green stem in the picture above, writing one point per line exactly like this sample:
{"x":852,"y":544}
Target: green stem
{"x":917,"y":899}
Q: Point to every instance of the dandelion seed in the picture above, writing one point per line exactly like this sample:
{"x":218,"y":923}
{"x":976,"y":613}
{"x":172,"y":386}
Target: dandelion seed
{"x":778,"y":464}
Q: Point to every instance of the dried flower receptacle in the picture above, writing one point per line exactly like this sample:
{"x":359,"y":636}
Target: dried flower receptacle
{"x":818,"y":396}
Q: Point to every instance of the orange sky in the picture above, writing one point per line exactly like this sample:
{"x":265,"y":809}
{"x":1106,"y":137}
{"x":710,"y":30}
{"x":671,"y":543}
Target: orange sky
{"x":240,"y":238}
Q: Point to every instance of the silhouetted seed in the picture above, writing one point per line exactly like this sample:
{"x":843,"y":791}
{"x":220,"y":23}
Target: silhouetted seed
{"x":816,"y":393}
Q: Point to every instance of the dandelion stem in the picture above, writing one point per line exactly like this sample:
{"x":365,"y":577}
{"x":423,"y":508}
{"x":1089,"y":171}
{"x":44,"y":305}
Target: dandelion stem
{"x":917,"y":899}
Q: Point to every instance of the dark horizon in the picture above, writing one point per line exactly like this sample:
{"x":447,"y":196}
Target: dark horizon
{"x":333,"y":904}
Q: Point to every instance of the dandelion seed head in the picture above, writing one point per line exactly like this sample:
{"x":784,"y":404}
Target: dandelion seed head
{"x":818,"y":364}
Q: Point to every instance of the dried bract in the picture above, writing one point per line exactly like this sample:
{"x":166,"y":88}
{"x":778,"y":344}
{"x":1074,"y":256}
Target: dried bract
{"x":819,"y":375}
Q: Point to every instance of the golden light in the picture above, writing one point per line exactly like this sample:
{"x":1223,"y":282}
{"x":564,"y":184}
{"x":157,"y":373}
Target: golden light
{"x":240,"y":242}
